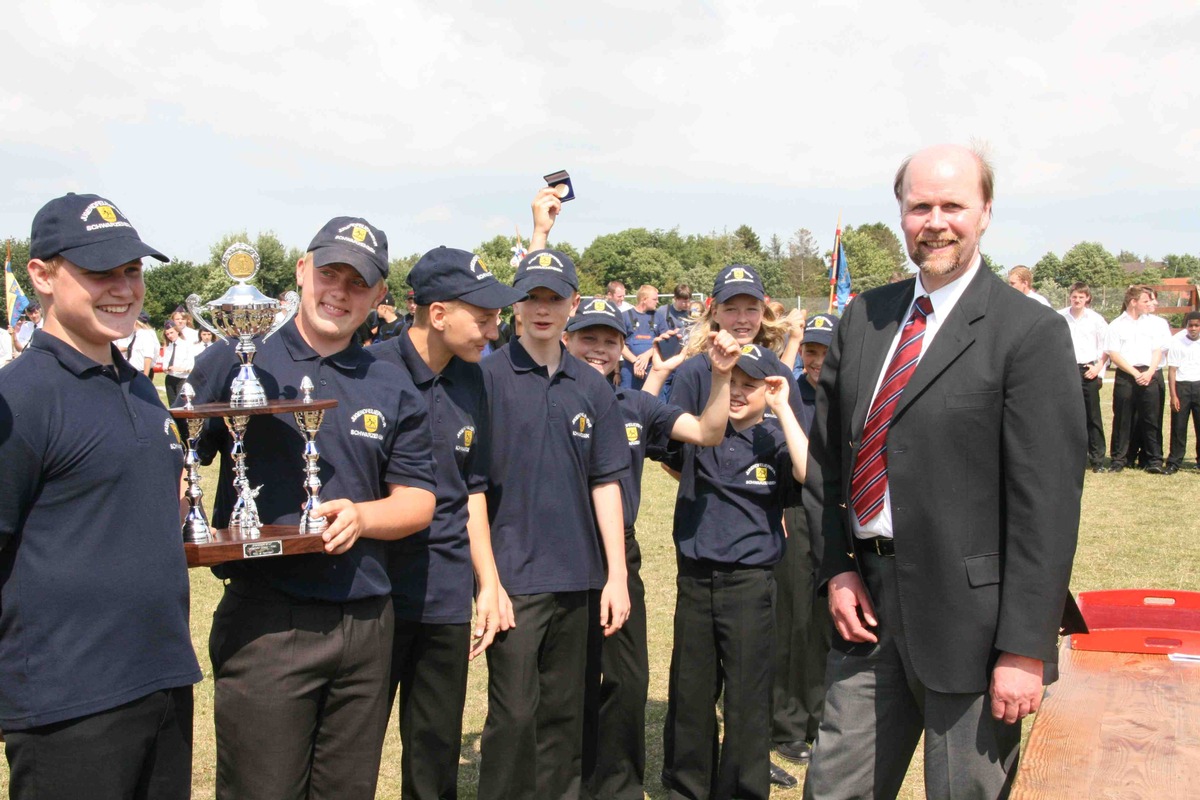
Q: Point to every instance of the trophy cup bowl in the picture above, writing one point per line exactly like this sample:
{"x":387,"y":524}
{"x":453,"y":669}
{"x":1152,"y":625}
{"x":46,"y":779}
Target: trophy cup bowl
{"x":243,"y":313}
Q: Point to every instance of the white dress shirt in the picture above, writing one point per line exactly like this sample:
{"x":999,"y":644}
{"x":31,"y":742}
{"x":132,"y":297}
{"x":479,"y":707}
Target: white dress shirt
{"x":181,"y":357}
{"x":1184,"y":354}
{"x":1136,"y":340}
{"x":1087,"y":334}
{"x":943,"y":301}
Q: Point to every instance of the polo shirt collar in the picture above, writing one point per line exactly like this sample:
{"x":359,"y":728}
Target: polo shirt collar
{"x":523,"y":362}
{"x":300,"y":350}
{"x":76,"y":362}
{"x":417,"y":368}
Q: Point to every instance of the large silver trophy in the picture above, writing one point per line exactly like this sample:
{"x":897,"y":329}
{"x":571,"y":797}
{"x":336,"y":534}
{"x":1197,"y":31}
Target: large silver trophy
{"x":244,"y":313}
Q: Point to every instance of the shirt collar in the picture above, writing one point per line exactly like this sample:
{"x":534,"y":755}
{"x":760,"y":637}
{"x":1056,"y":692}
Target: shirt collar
{"x":300,"y":350}
{"x":76,"y":362}
{"x":523,"y":362}
{"x":944,"y":299}
{"x":417,"y":368}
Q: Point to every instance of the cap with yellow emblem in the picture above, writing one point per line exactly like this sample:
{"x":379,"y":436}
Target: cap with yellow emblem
{"x":597,"y":312}
{"x":445,"y":273}
{"x":88,"y":231}
{"x":355,"y":242}
{"x":759,"y":362}
{"x":550,"y":269}
{"x":819,"y":329}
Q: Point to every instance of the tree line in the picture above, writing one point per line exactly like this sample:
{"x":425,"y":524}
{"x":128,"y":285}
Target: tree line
{"x":662,"y":258}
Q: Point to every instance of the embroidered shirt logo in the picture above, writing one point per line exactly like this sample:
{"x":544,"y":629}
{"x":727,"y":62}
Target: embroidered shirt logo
{"x":633,"y":432}
{"x":581,"y":426}
{"x":464,"y":438}
{"x":372,"y":420}
{"x":760,"y":475}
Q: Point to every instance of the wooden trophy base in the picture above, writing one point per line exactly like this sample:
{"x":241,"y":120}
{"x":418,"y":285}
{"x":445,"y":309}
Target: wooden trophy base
{"x":229,"y":545}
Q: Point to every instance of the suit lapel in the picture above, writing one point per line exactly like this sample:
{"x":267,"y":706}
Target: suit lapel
{"x":883,"y":320}
{"x":953,"y":337}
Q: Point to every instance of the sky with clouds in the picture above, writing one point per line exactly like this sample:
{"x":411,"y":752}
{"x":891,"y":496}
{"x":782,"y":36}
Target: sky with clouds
{"x":436,"y":121}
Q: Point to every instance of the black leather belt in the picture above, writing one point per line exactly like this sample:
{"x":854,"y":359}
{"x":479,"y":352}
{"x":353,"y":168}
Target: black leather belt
{"x":880,"y":545}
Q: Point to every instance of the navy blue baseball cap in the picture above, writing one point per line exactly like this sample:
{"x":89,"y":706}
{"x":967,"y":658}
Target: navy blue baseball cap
{"x":597,"y":312}
{"x":353,"y":241}
{"x":759,"y":362}
{"x":549,"y":268}
{"x":818,"y":329}
{"x":88,"y":231}
{"x":737,"y":279}
{"x":447,"y":274}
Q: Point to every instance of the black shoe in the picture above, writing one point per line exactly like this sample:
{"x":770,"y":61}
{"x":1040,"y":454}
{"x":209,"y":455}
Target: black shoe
{"x":1154,"y":469}
{"x":1170,"y":469}
{"x":1116,"y":468}
{"x":796,"y":752}
{"x":1099,"y":468}
{"x":782,"y":778}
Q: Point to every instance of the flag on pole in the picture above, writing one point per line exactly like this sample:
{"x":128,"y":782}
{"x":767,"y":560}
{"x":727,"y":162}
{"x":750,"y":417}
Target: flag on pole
{"x":17,"y":301}
{"x":518,"y":251}
{"x":839,"y":274}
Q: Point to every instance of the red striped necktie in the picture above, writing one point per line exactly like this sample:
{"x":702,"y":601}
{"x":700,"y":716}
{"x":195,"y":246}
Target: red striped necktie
{"x":869,"y":481}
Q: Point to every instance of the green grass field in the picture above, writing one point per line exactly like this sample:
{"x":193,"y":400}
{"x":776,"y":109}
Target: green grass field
{"x":1137,"y":530}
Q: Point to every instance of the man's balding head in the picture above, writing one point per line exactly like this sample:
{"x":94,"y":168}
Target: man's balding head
{"x":945,"y":206}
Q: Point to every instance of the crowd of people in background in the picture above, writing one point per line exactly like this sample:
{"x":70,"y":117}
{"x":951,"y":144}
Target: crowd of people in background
{"x":484,"y":468}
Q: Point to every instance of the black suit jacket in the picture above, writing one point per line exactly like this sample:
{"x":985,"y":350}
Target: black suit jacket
{"x":985,"y":466}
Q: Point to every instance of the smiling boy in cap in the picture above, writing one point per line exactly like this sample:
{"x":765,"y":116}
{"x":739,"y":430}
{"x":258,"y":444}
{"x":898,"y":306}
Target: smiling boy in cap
{"x":555,"y":466}
{"x":300,"y":645}
{"x":96,"y":667}
{"x":729,"y":534}
{"x":458,"y":302}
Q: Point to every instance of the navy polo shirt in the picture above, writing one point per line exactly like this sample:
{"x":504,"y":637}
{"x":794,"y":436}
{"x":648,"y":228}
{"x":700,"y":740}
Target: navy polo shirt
{"x":93,"y":581}
{"x":556,"y":436}
{"x":731,"y":498}
{"x":648,"y":424}
{"x":431,"y":574}
{"x":693,"y":382}
{"x":378,"y":435}
{"x":640,"y":331}
{"x":808,"y":404}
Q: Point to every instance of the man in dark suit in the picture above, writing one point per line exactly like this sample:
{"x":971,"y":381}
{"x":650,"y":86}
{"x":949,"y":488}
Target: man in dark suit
{"x":950,"y":446}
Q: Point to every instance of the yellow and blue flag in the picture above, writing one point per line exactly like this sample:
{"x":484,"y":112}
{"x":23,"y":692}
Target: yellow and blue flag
{"x":17,"y":301}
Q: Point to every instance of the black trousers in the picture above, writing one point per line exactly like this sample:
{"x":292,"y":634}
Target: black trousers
{"x":173,"y":384}
{"x":429,"y":671}
{"x":1188,"y":393}
{"x":140,"y":750}
{"x":1146,"y":402}
{"x":614,"y":733}
{"x":803,"y":631}
{"x":724,"y":642}
{"x":532,"y":744}
{"x":1091,"y":410}
{"x":300,"y":705}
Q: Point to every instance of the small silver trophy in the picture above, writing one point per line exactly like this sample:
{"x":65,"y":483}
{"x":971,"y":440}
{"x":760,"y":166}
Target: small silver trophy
{"x":244,"y":312}
{"x":309,"y":421}
{"x":195,"y":526}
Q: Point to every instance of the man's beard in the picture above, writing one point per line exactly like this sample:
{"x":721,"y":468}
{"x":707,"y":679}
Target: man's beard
{"x":943,"y":262}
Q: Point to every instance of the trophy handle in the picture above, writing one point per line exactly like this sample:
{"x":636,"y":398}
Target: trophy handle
{"x":196,"y":310}
{"x":290,"y":302}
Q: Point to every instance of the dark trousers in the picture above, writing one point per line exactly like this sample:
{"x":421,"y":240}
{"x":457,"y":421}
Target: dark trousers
{"x":1144,"y":402}
{"x":802,"y":634}
{"x":173,"y":384}
{"x":429,"y":671}
{"x":141,"y":750}
{"x":301,"y":694}
{"x":876,"y":711}
{"x":532,"y":744}
{"x":614,"y":733}
{"x":1188,"y":393}
{"x":724,"y":641}
{"x":1091,"y":409}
